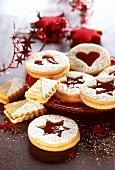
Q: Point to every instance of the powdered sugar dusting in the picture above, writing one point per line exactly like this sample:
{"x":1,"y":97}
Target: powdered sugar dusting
{"x":98,"y":147}
{"x":59,"y":57}
{"x":73,"y":75}
{"x":108,"y":70}
{"x":27,"y":108}
{"x":49,"y":86}
{"x":99,"y":64}
{"x":88,"y":90}
{"x":17,"y":84}
{"x":35,"y":131}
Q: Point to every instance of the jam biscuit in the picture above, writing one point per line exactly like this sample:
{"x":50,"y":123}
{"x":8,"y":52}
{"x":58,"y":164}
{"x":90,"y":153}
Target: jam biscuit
{"x":12,"y":90}
{"x":70,"y":85}
{"x":23,"y":110}
{"x":99,"y":93}
{"x":42,"y":90}
{"x":89,"y":58}
{"x":48,"y":64}
{"x":109,"y":71}
{"x":53,"y":133}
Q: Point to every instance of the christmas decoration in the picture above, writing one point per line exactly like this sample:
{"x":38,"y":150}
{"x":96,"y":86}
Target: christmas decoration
{"x":99,"y":130}
{"x":84,"y":6}
{"x":22,"y":49}
{"x":51,"y":29}
{"x":6,"y":126}
{"x":54,"y":27}
{"x":72,"y":155}
{"x":84,"y":35}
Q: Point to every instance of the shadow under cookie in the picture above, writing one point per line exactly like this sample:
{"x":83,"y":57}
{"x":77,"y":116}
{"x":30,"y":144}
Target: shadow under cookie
{"x":52,"y":157}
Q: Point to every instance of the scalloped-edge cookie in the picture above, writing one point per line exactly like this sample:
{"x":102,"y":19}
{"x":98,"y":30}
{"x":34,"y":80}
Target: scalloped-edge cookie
{"x":48,"y":64}
{"x":42,"y":90}
{"x":23,"y":110}
{"x":70,"y":85}
{"x":53,"y":133}
{"x":99,"y":93}
{"x":89,"y":58}
{"x":12,"y":90}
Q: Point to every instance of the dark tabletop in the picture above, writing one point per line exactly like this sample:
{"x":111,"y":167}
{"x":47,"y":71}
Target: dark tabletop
{"x":96,"y":149}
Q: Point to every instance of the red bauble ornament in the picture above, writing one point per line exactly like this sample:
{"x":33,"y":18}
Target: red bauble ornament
{"x":54,"y":27}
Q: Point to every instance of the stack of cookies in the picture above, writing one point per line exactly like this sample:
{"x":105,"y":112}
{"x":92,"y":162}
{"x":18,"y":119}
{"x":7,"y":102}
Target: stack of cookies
{"x":83,"y":75}
{"x":74,"y":77}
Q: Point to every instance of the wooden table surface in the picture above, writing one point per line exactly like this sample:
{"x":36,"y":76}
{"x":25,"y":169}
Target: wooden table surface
{"x":96,"y":150}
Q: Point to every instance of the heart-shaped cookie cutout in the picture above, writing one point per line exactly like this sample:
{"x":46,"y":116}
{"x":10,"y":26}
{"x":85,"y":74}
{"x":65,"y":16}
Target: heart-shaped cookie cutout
{"x":88,"y":58}
{"x":46,"y":60}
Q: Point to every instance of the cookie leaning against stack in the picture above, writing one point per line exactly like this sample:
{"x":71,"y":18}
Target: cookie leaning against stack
{"x":42,"y":90}
{"x":48,"y":64}
{"x":53,"y":133}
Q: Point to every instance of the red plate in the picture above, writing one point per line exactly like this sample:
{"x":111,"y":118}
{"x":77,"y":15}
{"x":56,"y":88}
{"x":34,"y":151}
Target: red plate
{"x":68,"y":107}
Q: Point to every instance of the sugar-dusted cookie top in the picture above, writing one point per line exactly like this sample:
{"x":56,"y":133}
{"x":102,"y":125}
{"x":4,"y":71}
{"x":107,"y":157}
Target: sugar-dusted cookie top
{"x":47,"y":63}
{"x":70,"y":85}
{"x":89,"y":58}
{"x":53,"y":132}
{"x":23,"y":110}
{"x":42,"y":90}
{"x":11,"y":90}
{"x":108,"y":71}
{"x":99,"y":92}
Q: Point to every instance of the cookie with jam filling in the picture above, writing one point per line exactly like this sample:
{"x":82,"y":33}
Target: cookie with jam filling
{"x":12,"y":90}
{"x":53,"y":133}
{"x":23,"y":110}
{"x":48,"y":64}
{"x":99,"y":93}
{"x":109,"y":71}
{"x":89,"y":58}
{"x":70,"y":85}
{"x":42,"y":90}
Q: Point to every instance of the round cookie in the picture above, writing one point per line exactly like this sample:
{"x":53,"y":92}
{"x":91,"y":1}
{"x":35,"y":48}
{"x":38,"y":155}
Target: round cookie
{"x":48,"y":64}
{"x":109,"y":71}
{"x":99,"y":93}
{"x":70,"y":85}
{"x":53,"y":133}
{"x":89,"y":58}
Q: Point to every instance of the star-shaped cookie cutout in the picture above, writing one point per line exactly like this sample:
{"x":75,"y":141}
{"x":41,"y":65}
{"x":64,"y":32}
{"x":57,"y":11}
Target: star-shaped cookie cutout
{"x":54,"y":128}
{"x":107,"y":87}
{"x":85,"y":35}
{"x":74,"y":82}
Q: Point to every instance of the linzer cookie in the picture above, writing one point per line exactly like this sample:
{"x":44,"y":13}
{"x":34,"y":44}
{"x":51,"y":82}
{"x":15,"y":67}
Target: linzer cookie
{"x":70,"y":85}
{"x":53,"y":133}
{"x":48,"y":64}
{"x":12,"y":90}
{"x":89,"y":58}
{"x":23,"y":110}
{"x":42,"y":90}
{"x":99,"y":93}
{"x":109,"y":71}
